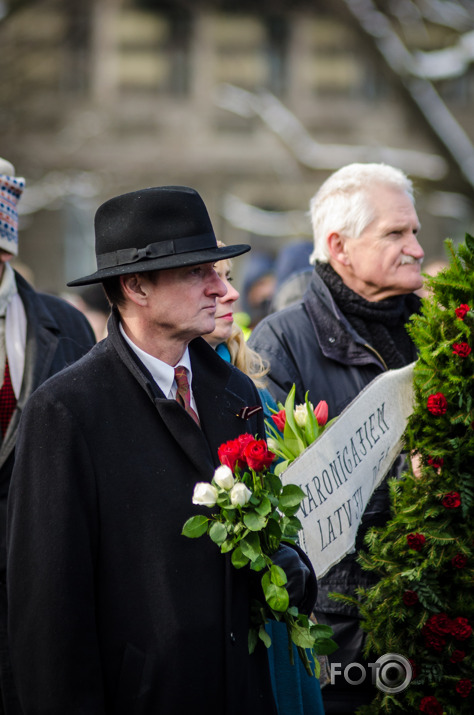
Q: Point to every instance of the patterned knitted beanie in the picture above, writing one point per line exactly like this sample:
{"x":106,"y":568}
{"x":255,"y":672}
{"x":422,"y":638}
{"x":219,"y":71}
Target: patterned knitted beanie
{"x":11,"y":189}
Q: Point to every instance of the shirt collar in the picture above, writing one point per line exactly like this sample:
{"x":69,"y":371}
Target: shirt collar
{"x":162,"y":373}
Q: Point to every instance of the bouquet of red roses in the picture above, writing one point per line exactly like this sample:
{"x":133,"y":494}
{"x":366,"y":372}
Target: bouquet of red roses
{"x":252,"y":514}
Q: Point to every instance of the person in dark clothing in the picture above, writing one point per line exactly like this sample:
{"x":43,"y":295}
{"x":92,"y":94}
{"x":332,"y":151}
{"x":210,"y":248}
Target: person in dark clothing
{"x":112,"y":610}
{"x":348,"y":328}
{"x":39,"y":335}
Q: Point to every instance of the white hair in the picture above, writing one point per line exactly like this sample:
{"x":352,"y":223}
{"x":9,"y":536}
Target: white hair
{"x":342,"y":204}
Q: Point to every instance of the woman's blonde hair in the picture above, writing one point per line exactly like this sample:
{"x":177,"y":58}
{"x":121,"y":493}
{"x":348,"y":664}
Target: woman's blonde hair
{"x":241,"y":355}
{"x":246,"y":359}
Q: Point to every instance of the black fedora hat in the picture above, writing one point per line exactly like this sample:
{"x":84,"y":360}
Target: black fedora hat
{"x":154,"y":229}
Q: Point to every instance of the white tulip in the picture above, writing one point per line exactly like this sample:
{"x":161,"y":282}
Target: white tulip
{"x":301,"y":415}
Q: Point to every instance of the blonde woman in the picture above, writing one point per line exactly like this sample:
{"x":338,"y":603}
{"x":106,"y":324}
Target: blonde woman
{"x":295,"y":692}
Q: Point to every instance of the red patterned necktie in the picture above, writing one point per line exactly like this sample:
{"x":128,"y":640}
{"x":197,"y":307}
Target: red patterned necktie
{"x":183,"y":394}
{"x":7,"y":400}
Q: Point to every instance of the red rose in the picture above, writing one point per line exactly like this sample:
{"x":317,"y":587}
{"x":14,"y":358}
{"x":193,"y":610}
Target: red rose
{"x":257,"y":455}
{"x":414,"y":668}
{"x":461,"y":349}
{"x":321,"y":412}
{"x":440,"y":623}
{"x":464,"y":687}
{"x":434,"y":641}
{"x":457,"y":656}
{"x":451,"y":500}
{"x":243,"y":440}
{"x":462,"y":310}
{"x":410,"y":598}
{"x":437,"y":404}
{"x":435,"y":462}
{"x":280,"y":420}
{"x":229,"y":453}
{"x":430,"y":705}
{"x":416,"y":541}
{"x":459,"y":561}
{"x":461,"y":629}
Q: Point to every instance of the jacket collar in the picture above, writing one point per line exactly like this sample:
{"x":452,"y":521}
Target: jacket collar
{"x":336,"y":336}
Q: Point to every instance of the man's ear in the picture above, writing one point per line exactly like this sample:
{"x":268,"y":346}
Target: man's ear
{"x":134,"y":287}
{"x":337,"y":249}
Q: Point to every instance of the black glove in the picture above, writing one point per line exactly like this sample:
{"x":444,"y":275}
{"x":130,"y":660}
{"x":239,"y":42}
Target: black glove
{"x":302,"y":585}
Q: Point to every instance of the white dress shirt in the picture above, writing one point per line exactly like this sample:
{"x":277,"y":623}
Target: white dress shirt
{"x":162,"y":373}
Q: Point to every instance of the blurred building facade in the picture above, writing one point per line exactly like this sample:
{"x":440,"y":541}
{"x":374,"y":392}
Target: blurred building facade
{"x":251,"y":103}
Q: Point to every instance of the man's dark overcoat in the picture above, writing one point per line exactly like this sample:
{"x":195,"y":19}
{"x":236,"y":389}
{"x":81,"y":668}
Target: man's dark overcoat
{"x":57,"y":334}
{"x":112,"y":610}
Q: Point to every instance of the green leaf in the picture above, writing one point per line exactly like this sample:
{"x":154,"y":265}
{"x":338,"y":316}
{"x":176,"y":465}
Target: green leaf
{"x":258,"y":564}
{"x":252,"y":639}
{"x":291,"y":428}
{"x":263,"y":635}
{"x":290,"y":526}
{"x":273,"y":484}
{"x":218,"y":533}
{"x":281,"y":466}
{"x":277,"y":575}
{"x":273,"y":534}
{"x":195,"y":526}
{"x":226,"y":547}
{"x":254,"y":521}
{"x":311,"y":426}
{"x":250,"y":546}
{"x":238,"y":559}
{"x":301,"y":636}
{"x":276,"y":596}
{"x":290,"y":499}
{"x":264,"y":507}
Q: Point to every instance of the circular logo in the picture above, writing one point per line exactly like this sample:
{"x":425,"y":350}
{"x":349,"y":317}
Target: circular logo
{"x":393,"y":673}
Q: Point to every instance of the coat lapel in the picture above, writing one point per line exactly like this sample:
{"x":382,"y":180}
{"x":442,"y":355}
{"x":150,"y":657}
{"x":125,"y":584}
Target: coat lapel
{"x":41,"y":345}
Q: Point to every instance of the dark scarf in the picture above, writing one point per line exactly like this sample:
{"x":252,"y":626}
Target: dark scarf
{"x":380,"y":323}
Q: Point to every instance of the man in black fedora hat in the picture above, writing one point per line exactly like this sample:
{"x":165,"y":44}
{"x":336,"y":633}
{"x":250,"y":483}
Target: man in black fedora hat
{"x":112,"y":609}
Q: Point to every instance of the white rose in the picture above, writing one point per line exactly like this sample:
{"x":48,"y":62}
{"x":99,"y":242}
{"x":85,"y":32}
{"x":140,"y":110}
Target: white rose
{"x":223,"y":477}
{"x":240,"y":495}
{"x":204,"y":494}
{"x":301,"y":415}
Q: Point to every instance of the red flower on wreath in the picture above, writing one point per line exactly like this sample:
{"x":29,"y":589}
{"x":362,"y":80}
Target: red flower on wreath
{"x":461,"y":629}
{"x":437,"y":404}
{"x":431,"y":706}
{"x":416,"y":541}
{"x":464,"y":687}
{"x":462,"y":310}
{"x":410,"y":598}
{"x":435,"y":462}
{"x":461,"y":349}
{"x":457,"y":656}
{"x":440,"y":624}
{"x":459,"y":561}
{"x":451,"y":500}
{"x":280,"y":419}
{"x":414,"y":668}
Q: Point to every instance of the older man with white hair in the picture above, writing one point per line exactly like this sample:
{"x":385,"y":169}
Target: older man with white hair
{"x":348,"y":328}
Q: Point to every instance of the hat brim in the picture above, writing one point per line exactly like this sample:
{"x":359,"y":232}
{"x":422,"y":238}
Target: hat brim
{"x":193,"y":258}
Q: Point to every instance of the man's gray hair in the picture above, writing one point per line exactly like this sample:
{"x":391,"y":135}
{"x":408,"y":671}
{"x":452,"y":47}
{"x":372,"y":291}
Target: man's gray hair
{"x":342,"y":203}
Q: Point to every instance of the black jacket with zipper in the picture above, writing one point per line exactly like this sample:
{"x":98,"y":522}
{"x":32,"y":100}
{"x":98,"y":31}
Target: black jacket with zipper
{"x":312,"y":345}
